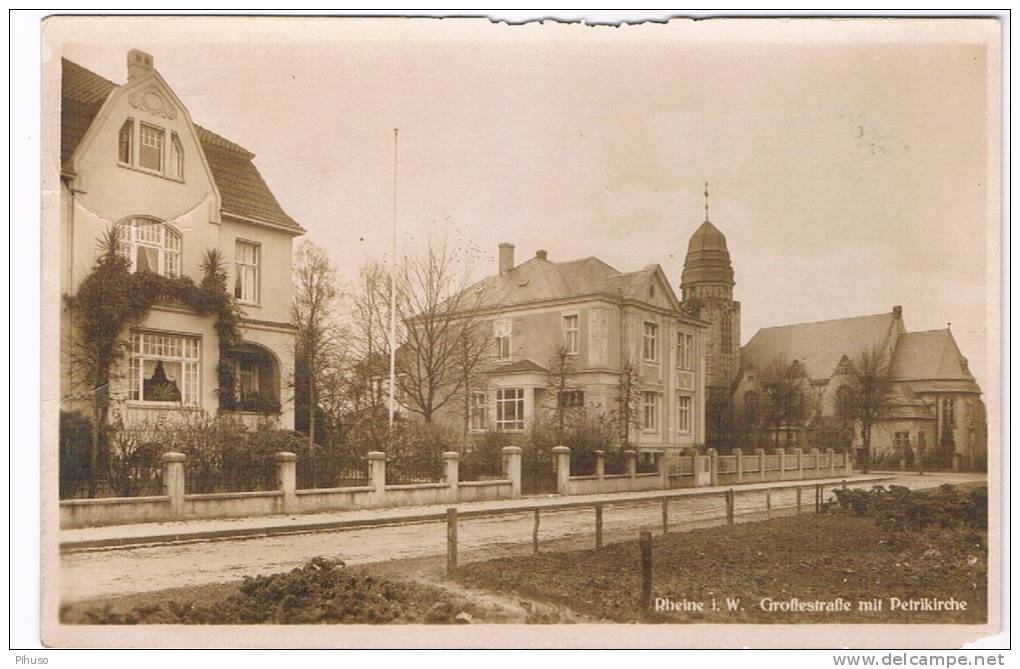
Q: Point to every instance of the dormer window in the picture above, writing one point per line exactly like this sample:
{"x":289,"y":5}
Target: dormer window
{"x":125,"y":143}
{"x":150,"y":148}
{"x":150,"y":246}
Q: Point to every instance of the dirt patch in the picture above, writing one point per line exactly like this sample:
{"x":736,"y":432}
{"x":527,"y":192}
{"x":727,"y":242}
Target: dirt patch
{"x":786,"y":563}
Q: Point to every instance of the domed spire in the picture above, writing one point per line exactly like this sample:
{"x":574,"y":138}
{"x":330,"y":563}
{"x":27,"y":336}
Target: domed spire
{"x":708,"y":259}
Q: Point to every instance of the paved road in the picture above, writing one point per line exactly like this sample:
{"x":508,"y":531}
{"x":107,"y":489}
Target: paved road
{"x":110,"y":572}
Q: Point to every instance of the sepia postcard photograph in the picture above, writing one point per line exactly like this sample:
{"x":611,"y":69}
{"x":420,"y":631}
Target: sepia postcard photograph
{"x":417,"y":332}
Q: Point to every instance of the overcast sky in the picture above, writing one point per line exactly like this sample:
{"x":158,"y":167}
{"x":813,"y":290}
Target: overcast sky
{"x":848,"y":177}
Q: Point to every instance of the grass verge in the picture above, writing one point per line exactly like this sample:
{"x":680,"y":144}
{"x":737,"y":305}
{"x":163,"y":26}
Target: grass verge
{"x":734,"y":574}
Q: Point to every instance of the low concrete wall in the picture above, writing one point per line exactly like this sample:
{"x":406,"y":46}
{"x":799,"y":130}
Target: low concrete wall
{"x":76,"y":513}
{"x":176,"y":505}
{"x":593,"y":485}
{"x":688,"y":471}
{"x":233,"y":505}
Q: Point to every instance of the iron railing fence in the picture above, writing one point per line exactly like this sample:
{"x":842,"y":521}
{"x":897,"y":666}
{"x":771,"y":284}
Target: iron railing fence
{"x":325,"y":471}
{"x":402,"y":471}
{"x":481,"y":470}
{"x":583,"y":464}
{"x":616,"y":462}
{"x":646,"y":464}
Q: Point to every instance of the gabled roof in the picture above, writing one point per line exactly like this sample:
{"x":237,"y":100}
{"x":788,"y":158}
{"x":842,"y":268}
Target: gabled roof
{"x":243,"y":191}
{"x":818,"y":346}
{"x":932,"y":356}
{"x":540,"y":279}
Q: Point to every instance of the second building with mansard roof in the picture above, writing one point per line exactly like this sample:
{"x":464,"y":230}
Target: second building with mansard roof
{"x":132,"y":158}
{"x":604,"y":320}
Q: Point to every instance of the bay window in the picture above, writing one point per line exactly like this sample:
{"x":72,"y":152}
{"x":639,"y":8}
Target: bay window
{"x":510,"y":409}
{"x":163,"y":368}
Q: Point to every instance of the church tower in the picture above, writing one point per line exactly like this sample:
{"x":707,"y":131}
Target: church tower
{"x":707,"y":288}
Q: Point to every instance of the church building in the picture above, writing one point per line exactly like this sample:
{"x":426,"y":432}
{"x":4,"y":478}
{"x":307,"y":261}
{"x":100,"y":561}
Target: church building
{"x":932,"y":404}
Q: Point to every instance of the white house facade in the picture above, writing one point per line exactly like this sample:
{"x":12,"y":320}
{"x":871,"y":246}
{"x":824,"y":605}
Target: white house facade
{"x":132,"y":158}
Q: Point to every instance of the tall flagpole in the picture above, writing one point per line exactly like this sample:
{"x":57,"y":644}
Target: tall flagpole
{"x":393,"y":291}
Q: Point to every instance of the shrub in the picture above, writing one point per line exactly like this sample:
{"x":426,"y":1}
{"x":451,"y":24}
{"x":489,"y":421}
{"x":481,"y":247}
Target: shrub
{"x":75,"y":452}
{"x":899,"y":509}
{"x":322,"y":591}
{"x":134,"y":456}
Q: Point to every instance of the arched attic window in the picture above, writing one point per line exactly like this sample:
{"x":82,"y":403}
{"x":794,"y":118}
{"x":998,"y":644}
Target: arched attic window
{"x":150,"y":246}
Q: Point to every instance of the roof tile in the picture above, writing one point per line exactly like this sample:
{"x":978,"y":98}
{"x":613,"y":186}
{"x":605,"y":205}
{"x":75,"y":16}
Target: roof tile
{"x":242,"y":189}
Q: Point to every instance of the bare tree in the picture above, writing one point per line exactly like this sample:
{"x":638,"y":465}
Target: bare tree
{"x":562,"y":390}
{"x":445,"y":340}
{"x":629,"y":399}
{"x":871,"y":378}
{"x":784,"y":406}
{"x":369,"y":331}
{"x":312,"y":312}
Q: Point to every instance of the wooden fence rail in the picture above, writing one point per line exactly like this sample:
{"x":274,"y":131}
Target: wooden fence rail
{"x":729,"y":496}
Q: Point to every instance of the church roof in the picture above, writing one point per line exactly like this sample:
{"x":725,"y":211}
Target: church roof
{"x":931,"y":361}
{"x":906,"y":404}
{"x":818,"y":346}
{"x":708,"y":258}
{"x":243,"y":191}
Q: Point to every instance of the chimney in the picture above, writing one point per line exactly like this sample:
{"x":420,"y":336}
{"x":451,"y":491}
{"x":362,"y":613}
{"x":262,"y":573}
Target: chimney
{"x":542,"y":254}
{"x":139,"y":64}
{"x":506,"y":257}
{"x":897,"y":312}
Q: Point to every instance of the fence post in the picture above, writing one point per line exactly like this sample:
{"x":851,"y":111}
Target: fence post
{"x":665,"y":515}
{"x":534,"y":534}
{"x":631,"y":463}
{"x":600,"y":464}
{"x":730,"y":504}
{"x":768,"y":505}
{"x":815,"y":452}
{"x":451,"y":541}
{"x":713,"y":466}
{"x":646,"y":570}
{"x":799,"y":490}
{"x":799,"y":452}
{"x":377,"y":474}
{"x":818,"y":498}
{"x":286,"y":479}
{"x":451,"y":472}
{"x":598,"y":525}
{"x":848,"y":464}
{"x":513,"y":469}
{"x":740,"y":464}
{"x":760,"y":452}
{"x":173,"y":481}
{"x":832,"y":462}
{"x":662,"y":464}
{"x":562,"y":455}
